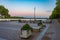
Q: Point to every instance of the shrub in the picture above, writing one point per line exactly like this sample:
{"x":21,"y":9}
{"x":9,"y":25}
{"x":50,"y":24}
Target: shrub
{"x":26,"y":27}
{"x":40,"y":23}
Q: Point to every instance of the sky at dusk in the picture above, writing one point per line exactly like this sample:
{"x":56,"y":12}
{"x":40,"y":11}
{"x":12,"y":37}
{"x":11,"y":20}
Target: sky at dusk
{"x":26,"y":7}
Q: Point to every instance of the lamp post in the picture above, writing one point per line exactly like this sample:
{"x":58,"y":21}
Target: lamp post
{"x":34,"y":13}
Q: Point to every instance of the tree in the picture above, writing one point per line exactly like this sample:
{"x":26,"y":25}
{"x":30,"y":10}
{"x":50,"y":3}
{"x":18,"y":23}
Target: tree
{"x":56,"y":12}
{"x":4,"y":12}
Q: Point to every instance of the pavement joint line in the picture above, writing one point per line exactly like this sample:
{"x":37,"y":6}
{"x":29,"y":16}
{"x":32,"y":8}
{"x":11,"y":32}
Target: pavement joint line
{"x":41,"y":34}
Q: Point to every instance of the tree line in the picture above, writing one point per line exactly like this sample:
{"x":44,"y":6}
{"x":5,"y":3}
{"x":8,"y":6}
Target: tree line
{"x":56,"y":12}
{"x":4,"y":13}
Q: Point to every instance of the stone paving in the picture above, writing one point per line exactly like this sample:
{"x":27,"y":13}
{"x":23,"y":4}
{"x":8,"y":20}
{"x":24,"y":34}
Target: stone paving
{"x":11,"y":31}
{"x":53,"y":32}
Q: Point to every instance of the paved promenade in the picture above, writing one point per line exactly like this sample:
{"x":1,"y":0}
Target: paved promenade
{"x":53,"y":33}
{"x":11,"y":31}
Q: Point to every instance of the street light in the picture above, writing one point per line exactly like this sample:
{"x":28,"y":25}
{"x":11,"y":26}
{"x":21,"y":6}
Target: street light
{"x":34,"y":13}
